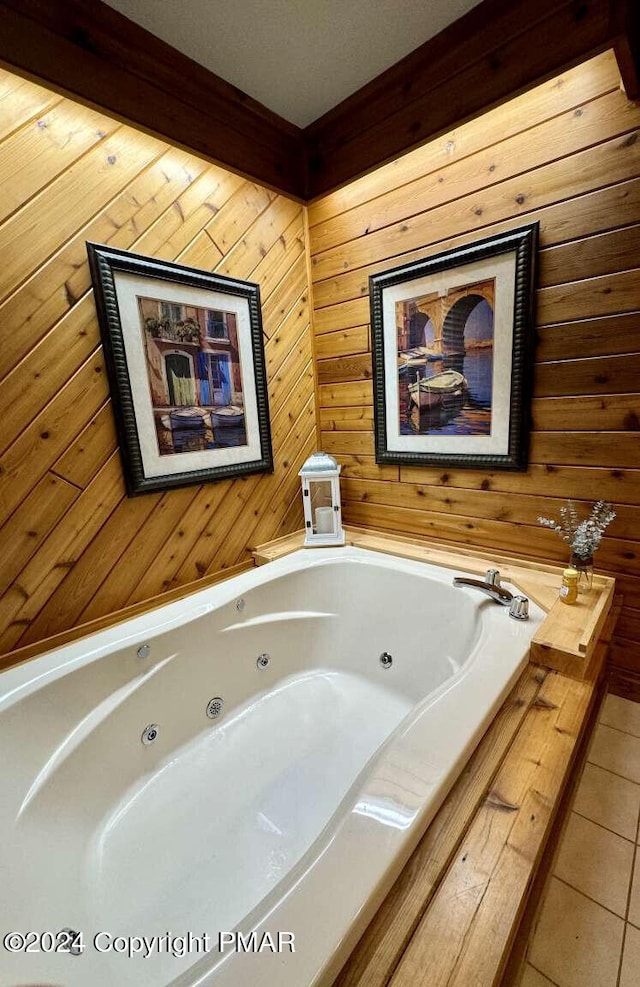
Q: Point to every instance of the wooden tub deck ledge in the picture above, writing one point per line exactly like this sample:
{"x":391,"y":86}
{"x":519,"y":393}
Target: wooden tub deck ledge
{"x":452,"y":915}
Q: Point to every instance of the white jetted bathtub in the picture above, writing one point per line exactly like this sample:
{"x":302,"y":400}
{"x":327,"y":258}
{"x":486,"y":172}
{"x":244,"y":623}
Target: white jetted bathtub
{"x":289,"y":813}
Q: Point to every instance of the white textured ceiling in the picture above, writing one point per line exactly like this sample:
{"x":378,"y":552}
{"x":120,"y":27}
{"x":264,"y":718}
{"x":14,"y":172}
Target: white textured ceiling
{"x":298,"y":57}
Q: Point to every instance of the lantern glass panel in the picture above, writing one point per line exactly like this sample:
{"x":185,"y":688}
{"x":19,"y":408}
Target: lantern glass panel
{"x":323,"y":516}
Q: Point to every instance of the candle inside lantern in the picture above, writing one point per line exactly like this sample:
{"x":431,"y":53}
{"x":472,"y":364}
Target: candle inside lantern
{"x":324,"y":520}
{"x":321,"y":501}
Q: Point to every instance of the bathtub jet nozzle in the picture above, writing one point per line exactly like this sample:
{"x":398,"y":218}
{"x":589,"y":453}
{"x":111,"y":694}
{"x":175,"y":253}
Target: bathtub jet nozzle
{"x":150,"y":733}
{"x":214,"y":707}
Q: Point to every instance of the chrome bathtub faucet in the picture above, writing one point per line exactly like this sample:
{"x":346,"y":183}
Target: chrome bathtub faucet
{"x":518,"y":605}
{"x":490,"y":585}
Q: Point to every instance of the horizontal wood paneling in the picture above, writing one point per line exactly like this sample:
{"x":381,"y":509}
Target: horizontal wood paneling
{"x":568,"y":155}
{"x":531,"y":148}
{"x":74,"y":547}
{"x":559,"y":222}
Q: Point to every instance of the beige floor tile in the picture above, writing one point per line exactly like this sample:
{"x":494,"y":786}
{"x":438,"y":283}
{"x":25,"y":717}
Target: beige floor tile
{"x":609,"y":800}
{"x":531,"y":978}
{"x":576,"y":942}
{"x":630,"y":973}
{"x":616,"y":751}
{"x":622,"y":714}
{"x":596,"y":862}
{"x":634,"y":903}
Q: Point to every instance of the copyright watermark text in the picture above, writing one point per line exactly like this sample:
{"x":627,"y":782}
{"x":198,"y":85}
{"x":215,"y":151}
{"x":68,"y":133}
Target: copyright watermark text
{"x":69,"y":941}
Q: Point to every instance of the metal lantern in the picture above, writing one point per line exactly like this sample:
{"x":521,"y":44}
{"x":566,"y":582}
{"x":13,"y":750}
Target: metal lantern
{"x":321,"y":500}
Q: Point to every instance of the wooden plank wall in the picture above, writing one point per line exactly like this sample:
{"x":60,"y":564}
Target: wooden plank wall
{"x":73,"y":547}
{"x":567,"y":154}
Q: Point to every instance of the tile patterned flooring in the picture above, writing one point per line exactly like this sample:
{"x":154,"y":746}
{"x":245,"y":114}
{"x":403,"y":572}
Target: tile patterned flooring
{"x":587,"y":929}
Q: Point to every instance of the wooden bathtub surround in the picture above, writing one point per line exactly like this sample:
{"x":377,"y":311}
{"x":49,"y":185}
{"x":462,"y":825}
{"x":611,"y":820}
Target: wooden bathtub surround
{"x":386,"y":939}
{"x":567,"y":641}
{"x":473,"y":896}
{"x":569,"y":636}
{"x":514,"y":967}
{"x":451,"y":917}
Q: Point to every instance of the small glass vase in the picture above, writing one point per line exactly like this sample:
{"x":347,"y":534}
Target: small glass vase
{"x":584,"y":567}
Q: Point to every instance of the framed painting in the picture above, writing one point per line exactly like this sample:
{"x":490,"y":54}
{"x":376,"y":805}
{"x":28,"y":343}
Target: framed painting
{"x":185,"y":359}
{"x":452,"y":340}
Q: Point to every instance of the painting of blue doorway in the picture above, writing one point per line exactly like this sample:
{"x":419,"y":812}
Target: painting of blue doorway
{"x":186,"y":363}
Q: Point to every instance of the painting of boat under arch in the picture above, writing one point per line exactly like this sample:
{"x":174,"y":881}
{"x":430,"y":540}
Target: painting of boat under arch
{"x":445,"y":360}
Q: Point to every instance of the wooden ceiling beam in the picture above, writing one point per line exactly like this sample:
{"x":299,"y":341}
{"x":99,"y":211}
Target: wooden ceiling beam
{"x":91,"y":52}
{"x":498,"y":49}
{"x":626,"y":33}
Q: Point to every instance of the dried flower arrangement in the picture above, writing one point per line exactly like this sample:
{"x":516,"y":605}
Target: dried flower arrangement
{"x":583,"y":536}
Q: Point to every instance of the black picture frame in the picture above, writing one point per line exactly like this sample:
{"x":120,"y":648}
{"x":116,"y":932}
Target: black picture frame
{"x":400,"y":300}
{"x":201,"y":338}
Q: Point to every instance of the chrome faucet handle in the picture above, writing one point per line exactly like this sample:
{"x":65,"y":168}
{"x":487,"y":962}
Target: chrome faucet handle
{"x":519,"y":608}
{"x":492,"y":577}
{"x":497,"y":593}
